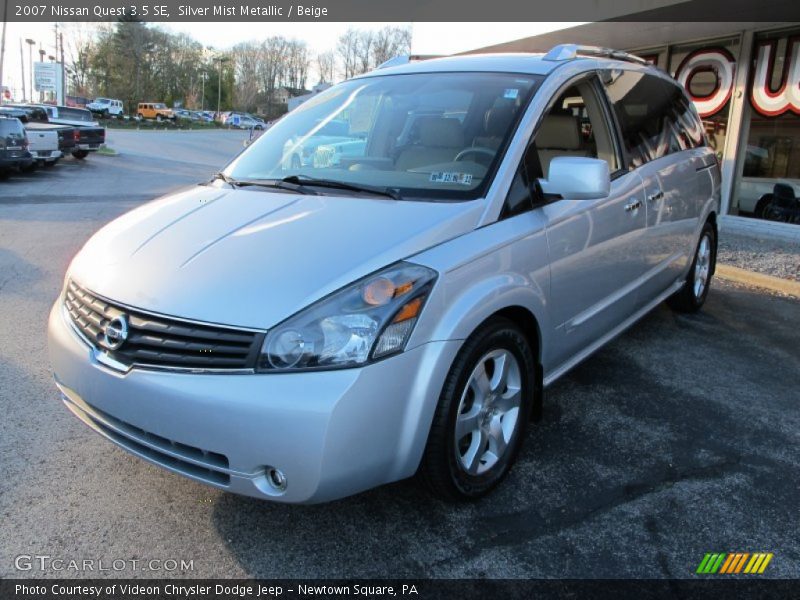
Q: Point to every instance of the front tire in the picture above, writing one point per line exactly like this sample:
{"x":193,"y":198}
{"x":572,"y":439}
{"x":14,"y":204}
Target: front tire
{"x":691,"y":297}
{"x":480,"y":420}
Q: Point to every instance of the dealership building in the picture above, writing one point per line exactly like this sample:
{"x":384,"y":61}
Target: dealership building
{"x":744,"y":79}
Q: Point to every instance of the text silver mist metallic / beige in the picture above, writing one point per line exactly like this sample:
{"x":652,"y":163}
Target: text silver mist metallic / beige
{"x":311,"y":324}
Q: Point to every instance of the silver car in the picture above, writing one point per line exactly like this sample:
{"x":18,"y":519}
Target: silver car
{"x":300,"y":333}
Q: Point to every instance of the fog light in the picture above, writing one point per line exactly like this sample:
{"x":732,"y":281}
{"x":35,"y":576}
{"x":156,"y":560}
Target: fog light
{"x":276,"y":478}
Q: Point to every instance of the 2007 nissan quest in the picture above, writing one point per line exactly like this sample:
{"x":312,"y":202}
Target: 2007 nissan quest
{"x":395,"y":301}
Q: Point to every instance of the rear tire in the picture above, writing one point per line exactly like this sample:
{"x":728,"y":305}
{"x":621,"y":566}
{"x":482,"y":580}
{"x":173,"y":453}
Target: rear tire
{"x":762,"y":204}
{"x":691,"y":297}
{"x":80,"y":154}
{"x":483,"y":409}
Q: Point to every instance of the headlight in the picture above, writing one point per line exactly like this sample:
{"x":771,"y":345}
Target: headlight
{"x":369,"y":319}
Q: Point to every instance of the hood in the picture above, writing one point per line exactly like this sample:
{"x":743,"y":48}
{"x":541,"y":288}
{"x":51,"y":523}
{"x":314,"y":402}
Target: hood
{"x":251,"y":257}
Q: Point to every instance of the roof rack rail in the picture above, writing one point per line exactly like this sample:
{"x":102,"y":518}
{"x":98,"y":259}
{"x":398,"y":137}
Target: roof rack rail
{"x":571,"y":51}
{"x":405,"y":59}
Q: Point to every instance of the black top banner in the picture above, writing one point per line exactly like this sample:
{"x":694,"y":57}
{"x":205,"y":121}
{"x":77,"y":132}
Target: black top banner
{"x":402,"y":10}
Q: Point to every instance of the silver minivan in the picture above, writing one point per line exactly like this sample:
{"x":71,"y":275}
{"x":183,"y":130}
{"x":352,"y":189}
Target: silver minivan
{"x":304,"y":330}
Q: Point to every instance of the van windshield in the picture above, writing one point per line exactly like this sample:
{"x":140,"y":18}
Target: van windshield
{"x":425,"y":135}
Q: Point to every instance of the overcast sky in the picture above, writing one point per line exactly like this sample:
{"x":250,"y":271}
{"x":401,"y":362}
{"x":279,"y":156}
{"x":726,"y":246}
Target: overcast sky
{"x":427,"y":38}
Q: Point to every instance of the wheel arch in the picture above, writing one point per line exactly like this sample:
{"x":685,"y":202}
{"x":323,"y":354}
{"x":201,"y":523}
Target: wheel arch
{"x":712,"y":220}
{"x":529,"y":325}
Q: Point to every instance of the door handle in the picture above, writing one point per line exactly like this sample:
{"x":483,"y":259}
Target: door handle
{"x":631,"y":206}
{"x":657,"y":196}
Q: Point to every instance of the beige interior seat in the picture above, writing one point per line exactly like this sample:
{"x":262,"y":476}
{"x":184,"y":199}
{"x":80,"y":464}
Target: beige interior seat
{"x":438,"y":141}
{"x":496,"y":124}
{"x":558,"y":135}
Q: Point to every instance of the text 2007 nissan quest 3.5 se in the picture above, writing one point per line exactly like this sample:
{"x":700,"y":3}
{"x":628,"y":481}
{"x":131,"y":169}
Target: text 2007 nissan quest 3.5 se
{"x":384,"y":282}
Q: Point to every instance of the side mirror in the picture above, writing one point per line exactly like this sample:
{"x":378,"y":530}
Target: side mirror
{"x":577,"y":178}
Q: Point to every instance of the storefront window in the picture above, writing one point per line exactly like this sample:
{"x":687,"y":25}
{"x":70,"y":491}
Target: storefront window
{"x":770,"y":168}
{"x":707,"y":71}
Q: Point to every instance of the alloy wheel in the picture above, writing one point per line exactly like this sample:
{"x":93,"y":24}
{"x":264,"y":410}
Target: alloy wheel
{"x":488,"y":412}
{"x":702,"y":266}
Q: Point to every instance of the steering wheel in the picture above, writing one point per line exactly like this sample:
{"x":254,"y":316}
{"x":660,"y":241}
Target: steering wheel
{"x":475,"y":150}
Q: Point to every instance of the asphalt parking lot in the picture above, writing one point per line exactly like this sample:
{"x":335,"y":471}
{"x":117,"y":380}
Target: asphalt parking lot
{"x":681,"y":437}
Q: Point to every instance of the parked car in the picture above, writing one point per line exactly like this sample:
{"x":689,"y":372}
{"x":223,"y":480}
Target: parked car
{"x":68,"y":115}
{"x":35,"y":119}
{"x":304,"y":333}
{"x":155,"y":110}
{"x":299,"y":150}
{"x":43,"y":145}
{"x":246,"y":122}
{"x":68,"y":137}
{"x":87,"y":135}
{"x":106,"y":107}
{"x":26,"y":113}
{"x":182,"y":113}
{"x":331,"y":155}
{"x":77,"y":101}
{"x":14,"y":155}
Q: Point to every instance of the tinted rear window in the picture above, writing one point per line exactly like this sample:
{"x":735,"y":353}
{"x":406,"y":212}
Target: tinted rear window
{"x":11,"y":128}
{"x":654,"y":115}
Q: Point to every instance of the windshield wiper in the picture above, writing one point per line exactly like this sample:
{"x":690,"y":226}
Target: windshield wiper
{"x":229,"y":180}
{"x":305,"y":180}
{"x":265,"y":183}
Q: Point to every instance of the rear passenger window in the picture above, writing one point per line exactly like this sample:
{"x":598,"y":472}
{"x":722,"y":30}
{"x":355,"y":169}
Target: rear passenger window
{"x":685,"y":123}
{"x":654,"y":115}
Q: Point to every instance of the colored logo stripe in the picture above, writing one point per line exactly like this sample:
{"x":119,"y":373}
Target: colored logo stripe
{"x":758,"y":563}
{"x":711,"y":563}
{"x":724,"y":563}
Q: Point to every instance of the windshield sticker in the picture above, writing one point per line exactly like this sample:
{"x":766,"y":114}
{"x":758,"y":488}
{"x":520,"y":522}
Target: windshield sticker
{"x":445,"y":177}
{"x":511,"y":93}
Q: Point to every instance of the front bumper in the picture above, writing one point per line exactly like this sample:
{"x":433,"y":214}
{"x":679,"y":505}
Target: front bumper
{"x":332,"y":433}
{"x":16,"y":162}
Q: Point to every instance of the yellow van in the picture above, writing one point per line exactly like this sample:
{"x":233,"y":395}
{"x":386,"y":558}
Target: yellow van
{"x":154,"y":110}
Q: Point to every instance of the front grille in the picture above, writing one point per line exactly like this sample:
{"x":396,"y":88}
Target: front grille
{"x":157,"y":341}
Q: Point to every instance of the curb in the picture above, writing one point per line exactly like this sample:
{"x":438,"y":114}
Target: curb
{"x":776,"y":284}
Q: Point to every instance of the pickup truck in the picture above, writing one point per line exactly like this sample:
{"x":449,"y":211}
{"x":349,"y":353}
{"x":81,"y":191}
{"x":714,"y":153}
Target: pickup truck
{"x":88,"y":136}
{"x":43,"y":144}
{"x":77,"y":132}
{"x":35,"y":119}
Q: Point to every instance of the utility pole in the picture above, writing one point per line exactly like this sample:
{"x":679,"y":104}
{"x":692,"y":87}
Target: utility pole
{"x":203,"y":94}
{"x":220,"y":60}
{"x":41,"y":59}
{"x":63,"y":99}
{"x":3,"y":50}
{"x":31,"y":44}
{"x":22,"y":69}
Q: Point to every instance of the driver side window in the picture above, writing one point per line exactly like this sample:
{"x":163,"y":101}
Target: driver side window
{"x":575,"y":125}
